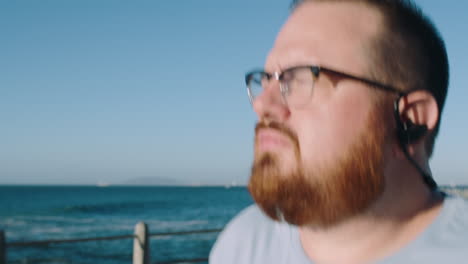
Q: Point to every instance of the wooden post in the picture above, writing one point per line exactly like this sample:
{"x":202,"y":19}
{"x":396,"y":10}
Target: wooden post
{"x":141,"y":253}
{"x":2,"y":247}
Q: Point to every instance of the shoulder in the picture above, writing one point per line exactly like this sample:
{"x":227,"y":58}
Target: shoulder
{"x":445,"y":240}
{"x":249,"y":238}
{"x":452,"y":224}
{"x":247,"y":219}
{"x":449,"y":229}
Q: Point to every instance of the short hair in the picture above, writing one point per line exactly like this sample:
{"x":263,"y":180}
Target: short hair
{"x":410,"y":53}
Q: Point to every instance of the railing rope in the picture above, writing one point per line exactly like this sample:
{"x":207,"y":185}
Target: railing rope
{"x":117,"y":237}
{"x":2,"y":247}
{"x":141,"y":244}
{"x":61,"y":241}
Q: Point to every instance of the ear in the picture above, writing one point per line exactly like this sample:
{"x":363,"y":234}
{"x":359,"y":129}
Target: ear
{"x":420,"y":108}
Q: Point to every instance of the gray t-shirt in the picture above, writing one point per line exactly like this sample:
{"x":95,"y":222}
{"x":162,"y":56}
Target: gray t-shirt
{"x":252,"y":237}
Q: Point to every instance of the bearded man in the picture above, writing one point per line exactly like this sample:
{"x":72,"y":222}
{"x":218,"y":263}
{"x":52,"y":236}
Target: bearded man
{"x":349,"y":105}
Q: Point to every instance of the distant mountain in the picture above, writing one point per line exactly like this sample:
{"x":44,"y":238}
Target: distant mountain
{"x":152,"y":181}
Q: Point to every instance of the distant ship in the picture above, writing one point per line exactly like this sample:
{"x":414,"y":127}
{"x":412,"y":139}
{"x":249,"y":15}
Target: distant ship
{"x":232,"y":184}
{"x":102,"y":184}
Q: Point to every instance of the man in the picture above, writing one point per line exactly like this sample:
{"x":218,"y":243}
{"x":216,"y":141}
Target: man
{"x":349,"y":105}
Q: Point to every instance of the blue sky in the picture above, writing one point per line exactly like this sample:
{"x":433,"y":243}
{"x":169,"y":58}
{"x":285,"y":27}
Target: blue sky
{"x":104,"y":91}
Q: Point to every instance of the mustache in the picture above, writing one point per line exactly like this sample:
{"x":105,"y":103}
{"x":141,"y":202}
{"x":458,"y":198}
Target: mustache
{"x":263,"y":124}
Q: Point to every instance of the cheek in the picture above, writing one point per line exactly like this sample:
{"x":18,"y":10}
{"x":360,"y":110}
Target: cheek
{"x":329,"y":131}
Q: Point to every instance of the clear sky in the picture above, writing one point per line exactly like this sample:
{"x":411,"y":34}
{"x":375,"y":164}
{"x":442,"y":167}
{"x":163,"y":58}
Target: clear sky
{"x":105,"y":91}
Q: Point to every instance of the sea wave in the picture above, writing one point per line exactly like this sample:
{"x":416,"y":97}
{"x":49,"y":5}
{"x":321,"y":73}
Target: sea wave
{"x":55,"y":219}
{"x":12,"y":222}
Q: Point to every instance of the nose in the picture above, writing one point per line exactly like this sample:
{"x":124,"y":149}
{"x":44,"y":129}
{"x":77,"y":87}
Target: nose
{"x":270,"y":104}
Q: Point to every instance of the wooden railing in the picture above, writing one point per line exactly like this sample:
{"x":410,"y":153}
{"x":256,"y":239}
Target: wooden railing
{"x":141,"y":243}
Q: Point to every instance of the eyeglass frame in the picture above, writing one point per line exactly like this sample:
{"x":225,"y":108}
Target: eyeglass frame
{"x":315,"y":69}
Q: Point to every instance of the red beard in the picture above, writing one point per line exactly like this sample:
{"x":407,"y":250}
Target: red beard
{"x":321,"y":198}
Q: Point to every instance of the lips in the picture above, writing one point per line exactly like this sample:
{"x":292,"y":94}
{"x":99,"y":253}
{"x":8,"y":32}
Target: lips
{"x":269,"y":139}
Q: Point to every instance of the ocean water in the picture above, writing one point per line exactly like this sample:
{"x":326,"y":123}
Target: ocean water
{"x":29,"y":213}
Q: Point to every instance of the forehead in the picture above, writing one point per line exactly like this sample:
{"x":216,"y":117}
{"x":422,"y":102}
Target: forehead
{"x":334,"y":34}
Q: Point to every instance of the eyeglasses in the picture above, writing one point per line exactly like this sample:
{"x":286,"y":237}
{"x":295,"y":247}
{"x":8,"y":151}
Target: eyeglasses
{"x":296,"y":84}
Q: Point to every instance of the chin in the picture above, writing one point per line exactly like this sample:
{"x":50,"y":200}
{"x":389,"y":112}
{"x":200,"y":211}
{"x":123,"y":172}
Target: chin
{"x":280,"y":163}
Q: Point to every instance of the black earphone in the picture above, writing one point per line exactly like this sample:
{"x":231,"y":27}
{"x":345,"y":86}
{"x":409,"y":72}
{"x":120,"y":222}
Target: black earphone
{"x":408,"y":133}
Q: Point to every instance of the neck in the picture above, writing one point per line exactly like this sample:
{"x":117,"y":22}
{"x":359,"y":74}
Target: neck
{"x":402,"y":212}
